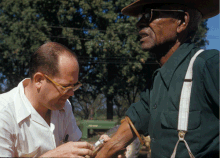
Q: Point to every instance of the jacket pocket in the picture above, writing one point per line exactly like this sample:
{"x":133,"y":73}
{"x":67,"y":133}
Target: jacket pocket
{"x":169,"y":119}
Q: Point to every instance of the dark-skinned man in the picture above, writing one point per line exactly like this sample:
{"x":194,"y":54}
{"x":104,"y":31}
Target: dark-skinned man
{"x":165,"y":28}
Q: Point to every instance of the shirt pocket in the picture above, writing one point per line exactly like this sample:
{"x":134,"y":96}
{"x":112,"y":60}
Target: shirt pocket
{"x":169,"y":134}
{"x":169,"y":119}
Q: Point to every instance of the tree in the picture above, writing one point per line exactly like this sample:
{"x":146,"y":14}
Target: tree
{"x":21,"y":32}
{"x":112,"y":63}
{"x":116,"y":47}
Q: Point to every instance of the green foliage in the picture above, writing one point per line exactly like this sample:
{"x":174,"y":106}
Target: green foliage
{"x":200,"y":37}
{"x":22,"y":32}
{"x":112,"y":64}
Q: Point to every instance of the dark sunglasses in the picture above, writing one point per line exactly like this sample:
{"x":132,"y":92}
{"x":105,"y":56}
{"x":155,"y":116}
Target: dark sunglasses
{"x":148,"y":13}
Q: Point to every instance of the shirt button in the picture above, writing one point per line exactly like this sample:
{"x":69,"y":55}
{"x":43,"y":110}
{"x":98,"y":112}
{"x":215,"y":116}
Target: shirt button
{"x":155,"y":106}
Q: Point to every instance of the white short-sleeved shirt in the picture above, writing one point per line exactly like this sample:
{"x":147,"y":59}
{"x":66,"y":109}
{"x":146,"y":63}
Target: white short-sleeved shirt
{"x":23,"y":132}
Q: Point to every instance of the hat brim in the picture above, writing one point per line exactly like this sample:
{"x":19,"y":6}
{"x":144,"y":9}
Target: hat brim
{"x":207,"y":8}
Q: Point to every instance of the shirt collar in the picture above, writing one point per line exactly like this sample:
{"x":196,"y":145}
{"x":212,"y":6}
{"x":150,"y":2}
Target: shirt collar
{"x":21,"y":105}
{"x":168,"y":69}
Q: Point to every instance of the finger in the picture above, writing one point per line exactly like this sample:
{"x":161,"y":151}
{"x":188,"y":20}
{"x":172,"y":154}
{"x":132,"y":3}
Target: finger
{"x":121,"y":153}
{"x":81,"y":151}
{"x":83,"y":145}
{"x":122,"y":156}
{"x":105,"y":137}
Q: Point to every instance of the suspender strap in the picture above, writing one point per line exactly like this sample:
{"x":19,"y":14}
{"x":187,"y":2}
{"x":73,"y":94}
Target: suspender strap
{"x":181,"y":135}
{"x":185,"y":96}
{"x":184,"y":106}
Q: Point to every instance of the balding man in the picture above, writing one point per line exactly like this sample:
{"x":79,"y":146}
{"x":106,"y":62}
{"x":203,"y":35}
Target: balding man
{"x":36,"y":117}
{"x":182,"y":121}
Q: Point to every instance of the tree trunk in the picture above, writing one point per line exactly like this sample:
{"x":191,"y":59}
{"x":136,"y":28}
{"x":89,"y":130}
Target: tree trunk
{"x":110,"y":107}
{"x":111,"y":75}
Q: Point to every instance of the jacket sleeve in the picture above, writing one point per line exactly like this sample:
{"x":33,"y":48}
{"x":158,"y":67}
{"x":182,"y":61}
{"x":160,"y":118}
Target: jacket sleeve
{"x":210,"y":78}
{"x":211,"y":81}
{"x":139,"y":113}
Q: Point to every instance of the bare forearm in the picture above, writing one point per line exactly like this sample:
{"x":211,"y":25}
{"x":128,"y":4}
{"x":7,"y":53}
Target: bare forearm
{"x":123,"y":137}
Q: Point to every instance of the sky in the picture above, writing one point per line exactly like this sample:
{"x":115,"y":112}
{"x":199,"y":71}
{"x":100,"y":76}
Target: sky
{"x":213,"y":34}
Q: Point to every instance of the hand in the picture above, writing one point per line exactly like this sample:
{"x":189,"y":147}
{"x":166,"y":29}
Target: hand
{"x":105,"y":137}
{"x":121,"y":153}
{"x":122,"y":138}
{"x":71,"y":149}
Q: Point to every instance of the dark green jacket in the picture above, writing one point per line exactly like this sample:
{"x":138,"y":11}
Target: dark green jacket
{"x":156,"y":114}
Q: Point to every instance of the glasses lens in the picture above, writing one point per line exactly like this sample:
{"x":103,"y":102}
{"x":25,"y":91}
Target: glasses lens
{"x":73,"y":88}
{"x":77,"y":86}
{"x":146,"y":14}
{"x":140,"y":16}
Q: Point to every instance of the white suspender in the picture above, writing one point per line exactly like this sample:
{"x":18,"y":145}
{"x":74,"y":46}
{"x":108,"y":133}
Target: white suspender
{"x":184,"y":106}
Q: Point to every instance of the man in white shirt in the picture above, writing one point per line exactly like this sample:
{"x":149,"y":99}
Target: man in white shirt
{"x":35,"y":117}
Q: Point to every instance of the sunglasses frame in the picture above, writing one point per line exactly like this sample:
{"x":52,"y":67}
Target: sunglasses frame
{"x":64,"y":89}
{"x":140,"y":16}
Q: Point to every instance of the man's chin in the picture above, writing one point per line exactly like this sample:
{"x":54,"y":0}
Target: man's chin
{"x":146,"y":47}
{"x":59,"y":106}
{"x":62,"y":105}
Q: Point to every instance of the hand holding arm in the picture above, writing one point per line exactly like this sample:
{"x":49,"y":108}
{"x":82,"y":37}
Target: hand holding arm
{"x":123,"y":137}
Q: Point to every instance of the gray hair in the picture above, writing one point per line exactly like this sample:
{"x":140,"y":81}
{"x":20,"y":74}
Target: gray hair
{"x":195,"y":19}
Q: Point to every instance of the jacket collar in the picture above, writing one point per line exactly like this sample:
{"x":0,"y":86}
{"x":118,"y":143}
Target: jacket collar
{"x":168,"y":69}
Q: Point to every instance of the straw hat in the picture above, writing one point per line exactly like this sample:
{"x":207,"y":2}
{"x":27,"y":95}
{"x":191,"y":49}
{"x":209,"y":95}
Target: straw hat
{"x":208,"y":8}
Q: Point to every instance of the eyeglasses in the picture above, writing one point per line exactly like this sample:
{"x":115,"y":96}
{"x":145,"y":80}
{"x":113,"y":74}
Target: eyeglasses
{"x":148,"y":13}
{"x":65,"y":89}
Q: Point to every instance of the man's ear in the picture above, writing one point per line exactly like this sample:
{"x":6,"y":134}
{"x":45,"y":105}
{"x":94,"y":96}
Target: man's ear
{"x":38,"y":79}
{"x":182,"y":24}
